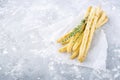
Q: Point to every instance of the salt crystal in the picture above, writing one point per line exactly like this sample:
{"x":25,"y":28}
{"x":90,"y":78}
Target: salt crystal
{"x":14,"y":48}
{"x":5,"y":52}
{"x":82,"y":78}
{"x":117,"y":75}
{"x":38,"y":78}
{"x":75,"y":68}
{"x":113,"y":58}
{"x":79,"y":76}
{"x":51,"y":63}
{"x":117,"y":50}
{"x":51,"y":67}
{"x":113,"y":7}
{"x":32,"y":36}
{"x":115,"y":69}
{"x":118,"y":67}
{"x":62,"y":72}
{"x":119,"y":15}
{"x":0,"y":68}
{"x":118,"y":56}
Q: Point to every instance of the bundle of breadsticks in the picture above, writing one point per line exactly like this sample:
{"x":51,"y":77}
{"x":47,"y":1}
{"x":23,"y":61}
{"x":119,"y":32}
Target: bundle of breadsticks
{"x":78,"y":41}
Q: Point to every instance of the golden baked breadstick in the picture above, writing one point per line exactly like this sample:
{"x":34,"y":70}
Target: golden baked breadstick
{"x":90,"y":40}
{"x":76,"y":47}
{"x":103,"y":22}
{"x":86,"y":33}
{"x":91,"y":33}
{"x":96,"y":17}
{"x":103,"y":16}
{"x":71,"y":43}
{"x":63,"y":37}
{"x":63,"y":49}
{"x":78,"y":42}
{"x":75,"y":53}
{"x":88,"y":11}
{"x":65,"y":42}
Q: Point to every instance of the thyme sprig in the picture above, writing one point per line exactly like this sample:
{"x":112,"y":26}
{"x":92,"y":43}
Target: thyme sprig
{"x":79,"y":28}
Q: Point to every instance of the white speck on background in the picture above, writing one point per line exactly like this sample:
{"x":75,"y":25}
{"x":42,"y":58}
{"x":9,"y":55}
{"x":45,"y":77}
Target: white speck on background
{"x":75,"y":68}
{"x":0,"y":68}
{"x":82,"y":78}
{"x":78,"y":76}
{"x":116,"y":75}
{"x":117,"y":50}
{"x":14,"y":48}
{"x":5,"y":51}
{"x":113,"y":7}
{"x":118,"y":56}
{"x":38,"y":78}
{"x":118,"y":67}
{"x":114,"y":69}
{"x":51,"y":67}
{"x":62,"y":72}
{"x":113,"y":58}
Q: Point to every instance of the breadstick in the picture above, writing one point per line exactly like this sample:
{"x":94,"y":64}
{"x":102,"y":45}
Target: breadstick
{"x":86,"y":33}
{"x":91,"y":34}
{"x":65,"y":42}
{"x":75,"y":53}
{"x":63,"y":37}
{"x":89,"y":42}
{"x":71,"y":43}
{"x":88,"y":11}
{"x":103,"y":22}
{"x":78,"y":42}
{"x":101,"y":19}
{"x":76,"y":47}
{"x":63,"y":49}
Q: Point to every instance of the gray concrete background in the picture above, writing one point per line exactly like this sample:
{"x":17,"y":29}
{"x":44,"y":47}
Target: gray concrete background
{"x":20,"y":24}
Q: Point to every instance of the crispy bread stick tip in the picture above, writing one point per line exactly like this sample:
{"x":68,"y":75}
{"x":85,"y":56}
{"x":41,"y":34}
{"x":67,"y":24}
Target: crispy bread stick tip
{"x":63,"y":49}
{"x":88,"y":11}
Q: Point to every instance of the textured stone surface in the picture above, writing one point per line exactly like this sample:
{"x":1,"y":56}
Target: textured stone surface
{"x":22,"y":44}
